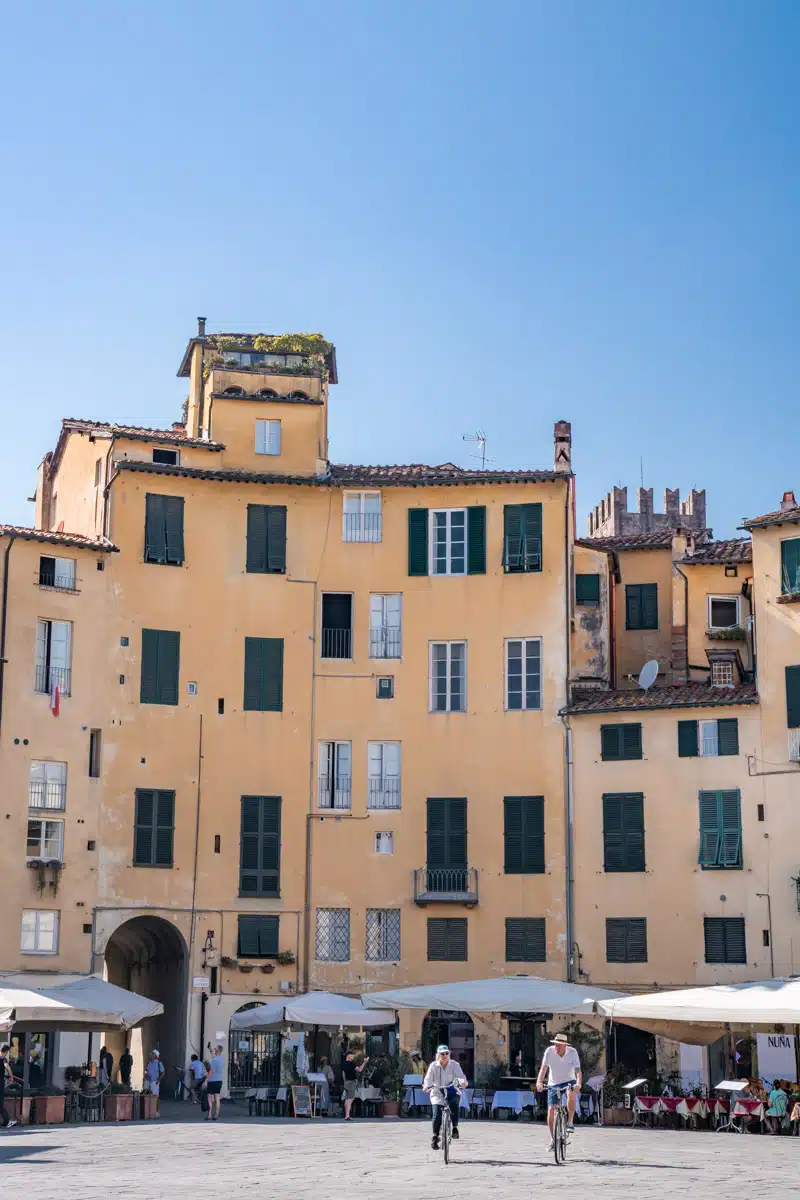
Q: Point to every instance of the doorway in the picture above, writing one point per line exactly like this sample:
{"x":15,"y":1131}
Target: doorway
{"x":632,"y":1047}
{"x":453,"y":1029}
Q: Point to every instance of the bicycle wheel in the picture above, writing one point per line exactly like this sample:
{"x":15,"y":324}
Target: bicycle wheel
{"x":559,"y":1137}
{"x":446,"y":1135}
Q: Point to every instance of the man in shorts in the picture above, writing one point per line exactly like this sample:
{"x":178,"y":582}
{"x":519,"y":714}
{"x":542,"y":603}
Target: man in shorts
{"x":564,"y":1066}
{"x":216,"y":1078}
{"x":350,"y":1074}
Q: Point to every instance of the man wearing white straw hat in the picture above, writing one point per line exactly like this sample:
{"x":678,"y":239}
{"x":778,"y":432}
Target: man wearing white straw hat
{"x":564,"y":1066}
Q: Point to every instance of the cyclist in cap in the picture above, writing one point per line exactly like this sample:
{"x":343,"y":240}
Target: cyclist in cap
{"x":444,"y":1080}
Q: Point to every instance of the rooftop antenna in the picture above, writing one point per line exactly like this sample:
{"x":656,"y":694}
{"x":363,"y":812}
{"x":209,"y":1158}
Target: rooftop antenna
{"x":479,"y":437}
{"x":648,"y":674}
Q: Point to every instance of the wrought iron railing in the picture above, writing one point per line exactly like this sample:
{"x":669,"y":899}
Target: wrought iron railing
{"x":384,"y":643}
{"x":47,"y":794}
{"x":446,"y":884}
{"x":62,"y":583}
{"x":334,"y":793}
{"x":337,"y":643}
{"x":522,"y":554}
{"x":384,"y":793}
{"x":46,"y":678}
{"x":363,"y":527}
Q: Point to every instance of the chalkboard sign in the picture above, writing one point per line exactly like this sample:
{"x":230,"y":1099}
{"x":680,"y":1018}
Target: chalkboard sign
{"x":301,"y":1101}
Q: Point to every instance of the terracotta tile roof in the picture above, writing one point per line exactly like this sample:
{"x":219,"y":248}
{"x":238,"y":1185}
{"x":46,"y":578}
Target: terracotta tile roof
{"x":660,"y":539}
{"x":351,"y":476}
{"x":734,"y":550}
{"x":176,"y":437}
{"x":685,"y":695}
{"x":783,"y":516}
{"x":78,"y":540}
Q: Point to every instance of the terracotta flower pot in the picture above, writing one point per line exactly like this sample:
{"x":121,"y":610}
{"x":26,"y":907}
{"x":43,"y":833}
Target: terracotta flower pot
{"x":149,"y":1107}
{"x":118,"y":1106}
{"x":49,"y":1110}
{"x":390,"y":1108}
{"x":19,"y":1109}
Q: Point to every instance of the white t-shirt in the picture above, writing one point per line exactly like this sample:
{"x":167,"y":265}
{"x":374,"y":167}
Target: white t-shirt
{"x":563,"y":1067}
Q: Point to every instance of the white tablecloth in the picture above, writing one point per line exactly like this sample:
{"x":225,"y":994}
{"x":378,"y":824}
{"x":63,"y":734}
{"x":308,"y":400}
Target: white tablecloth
{"x":514,"y":1100}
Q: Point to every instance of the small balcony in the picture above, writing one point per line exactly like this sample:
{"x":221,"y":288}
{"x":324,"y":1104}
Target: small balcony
{"x":522,"y":554}
{"x":446,"y":885}
{"x":334,"y":793}
{"x":46,"y":678}
{"x":385,"y":643}
{"x":384,"y":793}
{"x":50,"y":794}
{"x":363,"y":527}
{"x":337,"y":643}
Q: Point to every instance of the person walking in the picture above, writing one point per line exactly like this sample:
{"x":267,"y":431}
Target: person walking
{"x":6,"y":1076}
{"x":154,"y":1073}
{"x":126,"y":1066}
{"x":350,"y":1074}
{"x":197,"y":1074}
{"x":214,"y":1081}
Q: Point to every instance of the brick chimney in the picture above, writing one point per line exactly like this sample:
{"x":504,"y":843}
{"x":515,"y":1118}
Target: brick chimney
{"x":201,"y":326}
{"x":562,"y":433}
{"x":788,"y":501}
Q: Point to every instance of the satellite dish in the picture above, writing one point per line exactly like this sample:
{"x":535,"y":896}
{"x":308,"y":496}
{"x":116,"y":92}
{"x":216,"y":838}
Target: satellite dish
{"x":648,"y":674}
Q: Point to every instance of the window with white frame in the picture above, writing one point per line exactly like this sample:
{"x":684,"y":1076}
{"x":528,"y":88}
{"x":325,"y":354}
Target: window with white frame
{"x":708,"y":739}
{"x":57,"y":573}
{"x":53,"y":656}
{"x":47,"y":785}
{"x":383,"y":935}
{"x":448,"y":676}
{"x":332,"y":942}
{"x":385,"y":625}
{"x":45,"y":840}
{"x":722,"y":674}
{"x":448,"y":541}
{"x":384,"y":843}
{"x":335,"y":774}
{"x":39,"y":933}
{"x":384,"y":775}
{"x":523,"y":674}
{"x":361,"y":517}
{"x":724,"y":612}
{"x":268,"y":437}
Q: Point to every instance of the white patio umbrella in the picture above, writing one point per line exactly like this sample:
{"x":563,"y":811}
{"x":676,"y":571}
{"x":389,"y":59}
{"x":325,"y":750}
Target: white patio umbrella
{"x":322,"y":1010}
{"x":31,"y":1011}
{"x":95,"y":993}
{"x":516,"y":993}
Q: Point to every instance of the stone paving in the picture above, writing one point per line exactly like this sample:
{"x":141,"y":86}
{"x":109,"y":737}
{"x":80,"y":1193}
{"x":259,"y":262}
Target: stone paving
{"x":384,"y":1159}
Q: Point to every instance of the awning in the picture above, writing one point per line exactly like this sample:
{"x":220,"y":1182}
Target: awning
{"x":517,"y":993}
{"x":31,"y":1011}
{"x":323,"y":1009}
{"x":93,"y":992}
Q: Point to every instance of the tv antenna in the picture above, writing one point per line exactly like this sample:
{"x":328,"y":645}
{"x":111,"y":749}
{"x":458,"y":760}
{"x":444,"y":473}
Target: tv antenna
{"x":648,"y":674}
{"x":479,"y":438}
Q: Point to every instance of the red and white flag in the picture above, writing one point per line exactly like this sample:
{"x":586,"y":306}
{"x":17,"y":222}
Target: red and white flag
{"x":55,"y":699}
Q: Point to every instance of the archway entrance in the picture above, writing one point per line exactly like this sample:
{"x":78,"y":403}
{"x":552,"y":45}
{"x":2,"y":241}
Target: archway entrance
{"x":453,"y":1029}
{"x":148,"y":955}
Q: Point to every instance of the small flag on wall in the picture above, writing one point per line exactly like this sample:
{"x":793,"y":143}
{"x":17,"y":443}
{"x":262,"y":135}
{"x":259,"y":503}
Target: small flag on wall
{"x":55,"y":699}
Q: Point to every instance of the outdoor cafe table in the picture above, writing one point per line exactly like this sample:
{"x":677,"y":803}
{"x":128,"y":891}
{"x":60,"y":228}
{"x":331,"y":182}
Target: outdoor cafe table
{"x":516,"y":1101}
{"x":416,"y":1097}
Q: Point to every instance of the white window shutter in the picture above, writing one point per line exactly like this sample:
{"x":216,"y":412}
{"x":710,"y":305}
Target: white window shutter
{"x":391,"y":760}
{"x":274,"y":446}
{"x":261,"y":437}
{"x":375,"y":759}
{"x":376,"y":610}
{"x":60,"y":644}
{"x":343,"y":755}
{"x":393,"y":611}
{"x":41,"y":643}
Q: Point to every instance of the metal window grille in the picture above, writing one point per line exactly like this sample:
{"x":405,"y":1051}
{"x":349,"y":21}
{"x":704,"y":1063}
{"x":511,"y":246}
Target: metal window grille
{"x":722,"y":674}
{"x":384,"y":792}
{"x":383,"y":934}
{"x":333,"y":935}
{"x":363,"y":526}
{"x":384,"y":642}
{"x":46,"y":678}
{"x":50,"y":793}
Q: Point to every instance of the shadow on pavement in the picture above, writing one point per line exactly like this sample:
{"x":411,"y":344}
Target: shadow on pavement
{"x":594,"y":1162}
{"x":10,"y":1151}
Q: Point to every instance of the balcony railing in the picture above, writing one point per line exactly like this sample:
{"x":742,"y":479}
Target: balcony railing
{"x":334,"y":793}
{"x":446,"y":885}
{"x":62,"y":583}
{"x":48,"y":794}
{"x":46,"y":678}
{"x":363,"y":527}
{"x":522,"y":554}
{"x":384,"y":643}
{"x":337,"y":643}
{"x":384,"y":793}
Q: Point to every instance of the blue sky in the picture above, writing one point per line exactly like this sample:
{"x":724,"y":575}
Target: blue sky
{"x":502,"y":214}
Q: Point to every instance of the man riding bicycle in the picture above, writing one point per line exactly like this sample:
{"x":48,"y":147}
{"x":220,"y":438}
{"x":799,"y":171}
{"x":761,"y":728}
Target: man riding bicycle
{"x":444,"y":1079}
{"x":564,"y":1066}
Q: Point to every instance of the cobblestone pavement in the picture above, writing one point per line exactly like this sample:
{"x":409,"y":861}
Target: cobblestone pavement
{"x":385,"y":1160}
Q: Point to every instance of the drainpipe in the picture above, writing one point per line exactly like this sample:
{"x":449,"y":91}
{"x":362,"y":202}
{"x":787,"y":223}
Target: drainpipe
{"x":569,"y":831}
{"x":4,"y":622}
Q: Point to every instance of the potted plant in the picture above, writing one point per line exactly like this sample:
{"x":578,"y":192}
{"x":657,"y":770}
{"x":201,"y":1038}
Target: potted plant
{"x":149,"y":1106}
{"x":245,"y":968}
{"x":72,"y":1078}
{"x":614,"y":1110}
{"x":17,"y":1106}
{"x":267,"y":968}
{"x":227,"y":961}
{"x":48,"y":1106}
{"x":392,"y":1087}
{"x":285,"y":958}
{"x":118,"y":1103}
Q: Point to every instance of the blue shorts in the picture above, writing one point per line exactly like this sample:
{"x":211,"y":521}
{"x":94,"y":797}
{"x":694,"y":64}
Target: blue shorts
{"x":554,"y":1093}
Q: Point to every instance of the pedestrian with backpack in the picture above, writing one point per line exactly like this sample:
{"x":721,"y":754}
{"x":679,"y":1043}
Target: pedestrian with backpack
{"x":154,"y":1073}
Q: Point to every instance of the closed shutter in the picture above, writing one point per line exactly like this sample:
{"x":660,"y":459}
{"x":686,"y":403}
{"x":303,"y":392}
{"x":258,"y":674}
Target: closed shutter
{"x":714,"y":935}
{"x":263,"y":674}
{"x":620,"y":742}
{"x":633,"y":606}
{"x":730,"y":854}
{"x":626,"y":940}
{"x":522,"y":537}
{"x":631,"y":741}
{"x":649,"y":606}
{"x":276,"y":538}
{"x":641,"y":606}
{"x":447,"y":939}
{"x":609,"y":743}
{"x":144,"y":827}
{"x":525,"y":939}
{"x":623,"y":831}
{"x":615,"y":940}
{"x":725,"y":940}
{"x":260,"y":846}
{"x":476,"y":540}
{"x":735,"y":945}
{"x":790,"y":566}
{"x":165,"y":828}
{"x":447,"y":833}
{"x":257,"y":538}
{"x":793,"y":697}
{"x":687,"y":739}
{"x":173,"y":522}
{"x":523,"y":832}
{"x":155,"y":533}
{"x":160,"y":666}
{"x":418,"y":541}
{"x":587,"y":589}
{"x":258,"y":936}
{"x":636,"y":940}
{"x":728,"y":736}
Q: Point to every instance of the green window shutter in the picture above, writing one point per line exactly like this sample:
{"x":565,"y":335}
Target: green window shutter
{"x":173,"y":521}
{"x":418,"y":541}
{"x":512,"y":537}
{"x":735,"y":944}
{"x":437,"y":939}
{"x":714,"y":937}
{"x":144,"y":827}
{"x":447,"y":939}
{"x":587,"y":589}
{"x":276,"y":538}
{"x":525,"y":939}
{"x":633,"y":606}
{"x":790,"y":566}
{"x":160,"y":666}
{"x":248,"y":937}
{"x":687,"y":739}
{"x":710,"y":829}
{"x":447,"y":833}
{"x":260,"y":846}
{"x":728,"y":736}
{"x":631,"y":741}
{"x":437,"y":834}
{"x":257,"y":539}
{"x":457,"y":939}
{"x":155,"y":532}
{"x":793,"y":697}
{"x":616,"y":939}
{"x":533,"y":536}
{"x":165,"y":828}
{"x":523,"y":835}
{"x":609,"y":743}
{"x":725,"y":939}
{"x":730,"y":813}
{"x":476,"y":540}
{"x":649,"y":605}
{"x":512,"y":834}
{"x":623,"y":831}
{"x":263,"y":674}
{"x":620,"y":742}
{"x":522,"y":537}
{"x":636,"y":940}
{"x":258,"y":936}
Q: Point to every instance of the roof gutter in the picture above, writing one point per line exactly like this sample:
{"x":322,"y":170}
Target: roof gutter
{"x":4,"y":623}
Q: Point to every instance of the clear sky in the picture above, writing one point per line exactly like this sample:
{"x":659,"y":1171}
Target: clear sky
{"x":503,"y":214}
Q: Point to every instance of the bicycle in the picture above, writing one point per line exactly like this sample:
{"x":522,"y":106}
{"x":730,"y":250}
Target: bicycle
{"x":560,"y":1123}
{"x":446,"y":1133}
